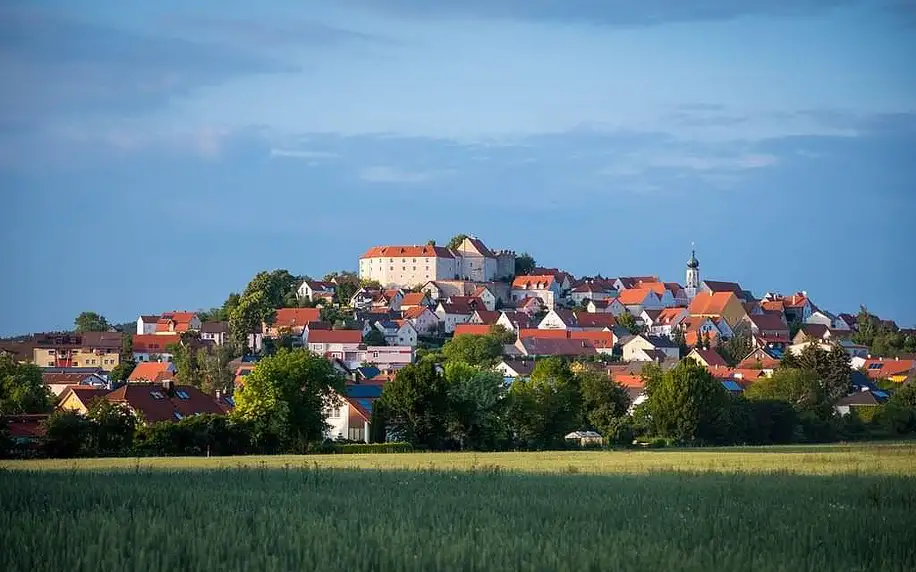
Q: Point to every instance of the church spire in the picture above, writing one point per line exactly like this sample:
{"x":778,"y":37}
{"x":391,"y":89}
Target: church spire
{"x":692,"y":284}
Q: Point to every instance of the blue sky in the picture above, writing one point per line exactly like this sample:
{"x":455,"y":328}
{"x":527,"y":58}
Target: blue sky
{"x":155,"y":155}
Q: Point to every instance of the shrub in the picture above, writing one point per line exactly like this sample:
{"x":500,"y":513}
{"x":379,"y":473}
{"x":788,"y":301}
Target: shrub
{"x":374,"y":448}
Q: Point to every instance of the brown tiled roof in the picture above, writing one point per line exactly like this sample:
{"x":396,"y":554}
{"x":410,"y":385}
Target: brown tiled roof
{"x":487,"y":317}
{"x":293,"y":317}
{"x":214,"y":327}
{"x":144,"y":398}
{"x":520,"y":366}
{"x":58,"y":378}
{"x":769,"y":322}
{"x":557,"y":347}
{"x":481,"y":247}
{"x":472,"y":329}
{"x":711,"y":357}
{"x":335,"y":337}
{"x":407,"y":251}
{"x":86,"y":394}
{"x":589,"y":320}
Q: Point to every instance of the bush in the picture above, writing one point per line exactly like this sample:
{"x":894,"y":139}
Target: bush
{"x":374,"y":448}
{"x":67,"y":434}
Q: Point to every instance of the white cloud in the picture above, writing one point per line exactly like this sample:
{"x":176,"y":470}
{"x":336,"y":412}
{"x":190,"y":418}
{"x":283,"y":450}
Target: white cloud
{"x":303,"y":154}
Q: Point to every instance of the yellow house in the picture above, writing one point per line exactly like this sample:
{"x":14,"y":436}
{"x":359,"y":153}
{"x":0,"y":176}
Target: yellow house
{"x":107,"y":359}
{"x":79,"y":398}
{"x":718,"y":304}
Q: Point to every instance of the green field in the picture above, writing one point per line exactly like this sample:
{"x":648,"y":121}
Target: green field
{"x":794,"y":508}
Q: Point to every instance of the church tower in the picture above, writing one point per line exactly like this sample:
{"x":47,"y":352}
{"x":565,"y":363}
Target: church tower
{"x":693,"y":276}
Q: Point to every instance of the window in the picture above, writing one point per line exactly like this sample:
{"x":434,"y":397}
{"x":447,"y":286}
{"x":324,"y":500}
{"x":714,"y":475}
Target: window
{"x":157,"y":394}
{"x":875,"y":365}
{"x":334,"y":413}
{"x":179,"y":416}
{"x":230,"y":400}
{"x":181,"y":394}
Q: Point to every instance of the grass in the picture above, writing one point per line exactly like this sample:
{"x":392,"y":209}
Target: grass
{"x":797,"y":508}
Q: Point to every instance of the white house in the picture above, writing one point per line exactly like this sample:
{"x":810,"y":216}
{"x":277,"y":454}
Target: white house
{"x":398,"y":332}
{"x":545,"y":288}
{"x":451,"y":315}
{"x":384,"y":357}
{"x":559,"y":319}
{"x":313,"y":289}
{"x":635,"y":300}
{"x":216,"y":332}
{"x":423,"y":319}
{"x":611,"y":306}
{"x":347,"y":419}
{"x":589,"y":291}
{"x":646,"y":347}
{"x":827,"y":319}
{"x":513,"y":321}
{"x":667,"y":321}
{"x":340,"y":344}
{"x":147,"y":324}
{"x":515,"y":368}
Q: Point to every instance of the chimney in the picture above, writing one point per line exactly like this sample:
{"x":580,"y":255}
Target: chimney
{"x":168,"y":386}
{"x":218,"y":394}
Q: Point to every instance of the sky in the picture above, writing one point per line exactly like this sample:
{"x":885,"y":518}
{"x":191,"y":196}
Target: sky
{"x":155,"y":155}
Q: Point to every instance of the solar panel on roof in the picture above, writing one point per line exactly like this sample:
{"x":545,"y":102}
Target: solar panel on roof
{"x":731,"y":386}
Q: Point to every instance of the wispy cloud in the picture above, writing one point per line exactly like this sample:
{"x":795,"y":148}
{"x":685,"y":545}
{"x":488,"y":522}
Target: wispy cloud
{"x":607,"y":12}
{"x":303,"y":154}
{"x":273,"y":34}
{"x":390,"y":174}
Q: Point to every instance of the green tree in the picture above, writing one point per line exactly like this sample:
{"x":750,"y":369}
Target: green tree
{"x":22,"y":389}
{"x":626,"y":320}
{"x":112,"y":428}
{"x":681,"y":340}
{"x":430,"y":243}
{"x":502,"y":335}
{"x":126,"y":362}
{"x":91,"y":322}
{"x":476,"y":407}
{"x":481,"y":351}
{"x":524,"y":264}
{"x":416,"y":404}
{"x":687,"y":404}
{"x":604,"y":403}
{"x":216,"y":375}
{"x":66,"y":434}
{"x":285,"y":397}
{"x":736,"y":348}
{"x":832,"y":368}
{"x":899,"y":414}
{"x":347,"y":285}
{"x":266,"y":292}
{"x":545,"y":408}
{"x":185,"y":356}
{"x":798,"y":387}
{"x":375,"y":338}
{"x":456,"y":241}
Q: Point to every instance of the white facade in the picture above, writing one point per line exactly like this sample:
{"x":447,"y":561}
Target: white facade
{"x":827,"y":319}
{"x":146,"y":324}
{"x":397,"y":266}
{"x":549,"y":295}
{"x":449,"y":321}
{"x":554,"y":321}
{"x":424,"y":322}
{"x":345,"y":422}
{"x":634,"y":350}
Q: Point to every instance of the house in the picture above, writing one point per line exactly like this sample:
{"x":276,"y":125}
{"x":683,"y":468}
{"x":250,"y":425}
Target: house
{"x":154,"y":347}
{"x":155,"y":402}
{"x":707,"y":357}
{"x":667,"y":321}
{"x":629,"y":282}
{"x":153,"y":371}
{"x":513,"y":321}
{"x":544,"y":287}
{"x":79,"y":398}
{"x":635,"y":300}
{"x":661,"y":289}
{"x":339,"y":343}
{"x":769,"y":329}
{"x":851,"y":321}
{"x":291,"y":321}
{"x":602,"y":340}
{"x":678,"y":294}
{"x":424,"y":321}
{"x":798,"y":307}
{"x":813,"y":332}
{"x":829,"y":320}
{"x":26,"y":431}
{"x":477,"y":262}
{"x":350,"y":415}
{"x":853,"y":349}
{"x":697,"y":328}
{"x":646,"y":347}
{"x":891,"y":369}
{"x":719,"y":304}
{"x":590,"y":291}
{"x":485,"y":317}
{"x":484,"y":293}
{"x":531,"y":306}
{"x":177,"y":323}
{"x":398,"y":332}
{"x":470,"y":302}
{"x":412,"y":300}
{"x":715,"y":287}
{"x":389,"y":300}
{"x":146,"y":324}
{"x":315,"y":290}
{"x":88,"y":349}
{"x":611,"y":306}
{"x":762,"y":359}
{"x":216,"y":332}
{"x":515,"y":368}
{"x":558,"y":319}
{"x":362,"y":298}
{"x":563,"y":279}
{"x":405,"y":265}
{"x":536,"y":347}
{"x":451,"y":315}
{"x":860,"y":400}
{"x":386,"y":358}
{"x":59,"y":379}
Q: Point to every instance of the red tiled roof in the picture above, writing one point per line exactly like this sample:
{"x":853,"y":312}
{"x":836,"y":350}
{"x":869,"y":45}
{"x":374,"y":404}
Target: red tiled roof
{"x":588,"y":320}
{"x":769,"y":322}
{"x":710,"y":304}
{"x":634,"y":296}
{"x":151,"y":371}
{"x":888,"y":367}
{"x":86,"y":394}
{"x":773,"y":305}
{"x":796,"y":300}
{"x":669,"y":315}
{"x":487,"y":317}
{"x":154,"y":343}
{"x":67,"y":377}
{"x":416,"y":312}
{"x":413,"y":299}
{"x":629,"y":381}
{"x":472,"y":329}
{"x":533,"y":282}
{"x":765,"y":362}
{"x":143,"y":398}
{"x":711,"y":357}
{"x":557,"y":347}
{"x":693,"y":337}
{"x":599,"y":339}
{"x":408,"y":251}
{"x":536,"y":333}
{"x":293,"y":317}
{"x":335,"y":337}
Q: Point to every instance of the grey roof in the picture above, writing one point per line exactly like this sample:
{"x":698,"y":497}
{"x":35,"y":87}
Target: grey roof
{"x":660,"y":341}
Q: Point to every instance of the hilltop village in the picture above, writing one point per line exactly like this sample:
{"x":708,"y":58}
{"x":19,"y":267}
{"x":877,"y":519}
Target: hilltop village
{"x":408,"y":301}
